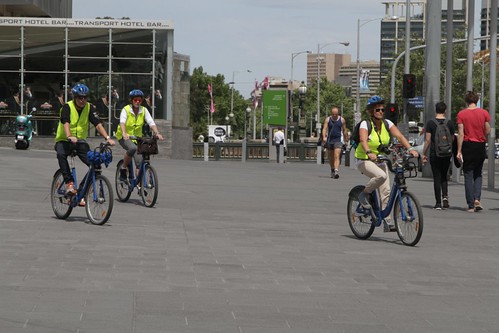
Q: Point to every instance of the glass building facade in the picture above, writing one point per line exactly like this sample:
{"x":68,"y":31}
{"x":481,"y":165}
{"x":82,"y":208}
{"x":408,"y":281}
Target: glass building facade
{"x":41,"y":58}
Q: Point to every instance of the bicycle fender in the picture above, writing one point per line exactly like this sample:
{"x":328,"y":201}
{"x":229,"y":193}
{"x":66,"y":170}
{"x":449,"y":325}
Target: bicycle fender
{"x":354,"y":192}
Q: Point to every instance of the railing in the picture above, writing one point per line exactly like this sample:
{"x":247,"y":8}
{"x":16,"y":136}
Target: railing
{"x":254,"y":151}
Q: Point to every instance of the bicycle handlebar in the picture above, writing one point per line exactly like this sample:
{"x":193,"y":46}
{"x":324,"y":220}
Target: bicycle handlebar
{"x":401,"y":161}
{"x":140,"y":138}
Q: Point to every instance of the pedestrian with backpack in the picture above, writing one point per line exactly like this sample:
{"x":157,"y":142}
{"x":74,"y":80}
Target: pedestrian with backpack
{"x":374,"y":138}
{"x":439,"y":136}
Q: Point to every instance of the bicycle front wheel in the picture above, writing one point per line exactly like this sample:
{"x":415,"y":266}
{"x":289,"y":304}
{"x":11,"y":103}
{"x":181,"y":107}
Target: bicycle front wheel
{"x":61,"y":205}
{"x":122,"y":188}
{"x":408,"y":218}
{"x":99,"y":199}
{"x":359,"y":218}
{"x":149,"y":187}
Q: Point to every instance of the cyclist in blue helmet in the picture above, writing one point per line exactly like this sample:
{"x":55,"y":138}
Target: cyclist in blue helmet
{"x":74,"y":121}
{"x":133,"y":117}
{"x":373,"y":143}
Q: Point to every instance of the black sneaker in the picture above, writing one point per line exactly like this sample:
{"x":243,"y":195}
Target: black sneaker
{"x":364,"y":199}
{"x":336,"y":175}
{"x":333,"y":174}
{"x":445,"y":203}
{"x":123,"y":175}
{"x":438,"y":206}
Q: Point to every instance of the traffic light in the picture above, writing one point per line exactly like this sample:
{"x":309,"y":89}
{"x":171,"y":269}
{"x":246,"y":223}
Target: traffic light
{"x":392,"y":112}
{"x":409,"y":86}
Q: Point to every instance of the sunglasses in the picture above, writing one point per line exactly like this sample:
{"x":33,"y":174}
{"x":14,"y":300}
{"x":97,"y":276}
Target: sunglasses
{"x":81,"y":98}
{"x":379,"y":110}
{"x":137,"y":100}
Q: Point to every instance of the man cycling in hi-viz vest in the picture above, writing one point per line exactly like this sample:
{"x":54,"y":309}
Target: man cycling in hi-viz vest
{"x":132,"y":119}
{"x":72,"y":130}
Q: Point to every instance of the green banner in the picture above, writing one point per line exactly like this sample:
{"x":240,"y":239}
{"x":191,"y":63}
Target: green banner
{"x":274,"y":107}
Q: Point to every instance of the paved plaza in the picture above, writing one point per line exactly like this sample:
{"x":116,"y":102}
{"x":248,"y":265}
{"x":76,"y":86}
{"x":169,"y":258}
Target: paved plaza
{"x":237,"y":247}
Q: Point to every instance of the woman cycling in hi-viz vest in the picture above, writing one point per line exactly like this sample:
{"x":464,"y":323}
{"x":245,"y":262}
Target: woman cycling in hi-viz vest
{"x":132,"y":119}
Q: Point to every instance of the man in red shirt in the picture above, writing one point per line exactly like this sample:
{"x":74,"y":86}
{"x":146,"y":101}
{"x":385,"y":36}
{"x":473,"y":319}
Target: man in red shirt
{"x":473,"y":127}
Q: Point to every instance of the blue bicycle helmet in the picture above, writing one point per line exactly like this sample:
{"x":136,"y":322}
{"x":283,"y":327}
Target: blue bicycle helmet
{"x":136,"y":93}
{"x":373,"y":101}
{"x":80,"y":90}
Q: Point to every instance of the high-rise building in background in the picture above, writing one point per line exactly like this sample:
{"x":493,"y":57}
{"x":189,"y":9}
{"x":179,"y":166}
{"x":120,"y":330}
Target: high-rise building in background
{"x":327,"y":64}
{"x":36,"y":8}
{"x":393,"y":27}
{"x":485,"y":24}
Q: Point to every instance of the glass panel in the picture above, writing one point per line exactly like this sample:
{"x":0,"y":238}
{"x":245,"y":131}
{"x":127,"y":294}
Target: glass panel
{"x":10,"y":48}
{"x":44,"y":49}
{"x":45,"y":90}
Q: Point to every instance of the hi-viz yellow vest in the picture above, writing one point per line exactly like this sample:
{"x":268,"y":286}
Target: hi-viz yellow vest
{"x":133,"y":123}
{"x":373,"y":141}
{"x":78,"y":123}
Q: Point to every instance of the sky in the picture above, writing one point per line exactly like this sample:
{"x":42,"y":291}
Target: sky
{"x":230,"y":37}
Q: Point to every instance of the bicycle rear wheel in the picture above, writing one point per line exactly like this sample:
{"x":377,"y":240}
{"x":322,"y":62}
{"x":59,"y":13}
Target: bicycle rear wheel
{"x":61,"y":204}
{"x":99,"y":200}
{"x":122,"y":188}
{"x":408,"y":218}
{"x":149,"y":187}
{"x":359,"y":218}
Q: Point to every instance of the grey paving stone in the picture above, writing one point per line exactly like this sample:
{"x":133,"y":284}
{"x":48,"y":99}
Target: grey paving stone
{"x":221,"y":253}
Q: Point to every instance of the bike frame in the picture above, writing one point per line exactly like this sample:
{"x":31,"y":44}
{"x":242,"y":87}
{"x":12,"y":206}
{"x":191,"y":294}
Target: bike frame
{"x":395,"y":192}
{"x":140,"y":178}
{"x":80,"y":191}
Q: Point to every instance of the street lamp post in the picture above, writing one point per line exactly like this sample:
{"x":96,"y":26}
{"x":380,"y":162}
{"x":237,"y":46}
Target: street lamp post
{"x":248,"y":111}
{"x":293,"y":56}
{"x":302,"y":91}
{"x":232,"y":89}
{"x":319,"y":59}
{"x":357,"y":89}
{"x":360,"y":24}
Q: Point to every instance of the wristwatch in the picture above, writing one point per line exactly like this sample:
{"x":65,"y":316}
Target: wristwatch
{"x":368,"y":152}
{"x":108,"y":137}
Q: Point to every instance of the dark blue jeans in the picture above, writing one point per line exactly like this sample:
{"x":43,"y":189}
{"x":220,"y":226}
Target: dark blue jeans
{"x":473,"y":158}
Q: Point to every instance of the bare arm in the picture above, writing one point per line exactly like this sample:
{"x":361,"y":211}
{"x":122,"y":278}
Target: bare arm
{"x":426,"y":146}
{"x":324,"y":130}
{"x":345,"y":132}
{"x":460,"y":139}
{"x":402,"y":140}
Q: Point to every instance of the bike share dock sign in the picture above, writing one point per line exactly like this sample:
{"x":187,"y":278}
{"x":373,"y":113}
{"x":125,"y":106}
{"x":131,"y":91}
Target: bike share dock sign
{"x":274,"y":107}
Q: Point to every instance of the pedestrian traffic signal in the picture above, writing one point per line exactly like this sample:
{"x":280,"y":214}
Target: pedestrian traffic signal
{"x":409,"y":86}
{"x":392,"y":112}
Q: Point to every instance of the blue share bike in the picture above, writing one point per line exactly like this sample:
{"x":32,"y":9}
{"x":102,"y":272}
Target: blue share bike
{"x":96,"y":188}
{"x":407,"y":211}
{"x":146,"y":181}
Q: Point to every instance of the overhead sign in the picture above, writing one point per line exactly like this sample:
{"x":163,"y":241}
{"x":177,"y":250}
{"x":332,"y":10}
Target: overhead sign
{"x":417,"y":102}
{"x":84,"y":23}
{"x":274,"y":107}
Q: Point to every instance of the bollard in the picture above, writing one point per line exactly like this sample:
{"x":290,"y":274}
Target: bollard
{"x":243,"y":152}
{"x":206,"y":149}
{"x":347,"y":157}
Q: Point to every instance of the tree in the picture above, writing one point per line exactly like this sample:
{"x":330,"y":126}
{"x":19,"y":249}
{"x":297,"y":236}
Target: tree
{"x":221,"y":91}
{"x":331,"y":94}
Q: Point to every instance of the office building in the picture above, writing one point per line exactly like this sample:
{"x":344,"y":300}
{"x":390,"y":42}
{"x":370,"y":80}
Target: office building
{"x":51,"y":52}
{"x":485,"y":21}
{"x":327,"y":64}
{"x":393,"y":27}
